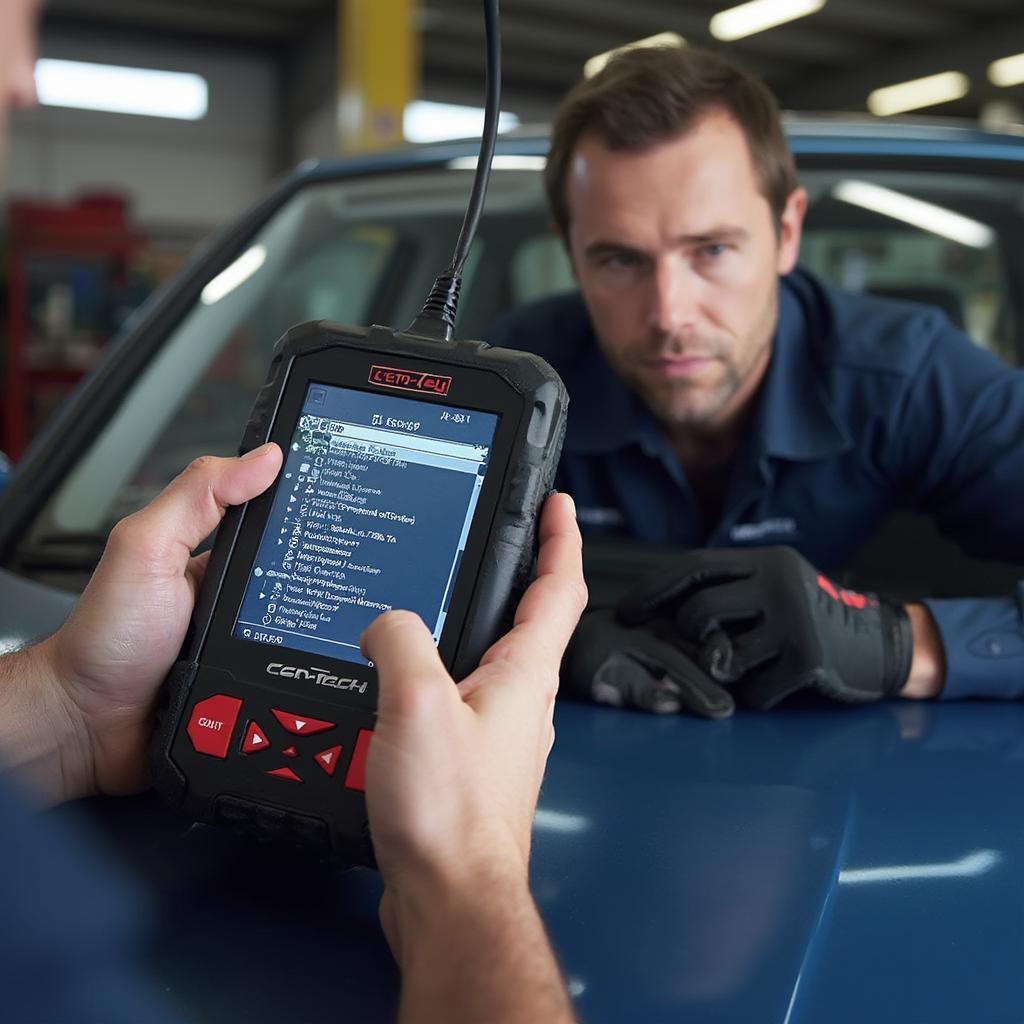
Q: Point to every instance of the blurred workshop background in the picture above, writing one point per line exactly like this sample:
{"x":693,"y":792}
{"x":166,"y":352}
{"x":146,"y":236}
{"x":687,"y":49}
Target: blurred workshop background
{"x":161,"y":120}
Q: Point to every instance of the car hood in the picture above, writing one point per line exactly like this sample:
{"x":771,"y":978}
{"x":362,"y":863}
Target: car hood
{"x":808,"y":864}
{"x":816,"y":862}
{"x":30,"y":610}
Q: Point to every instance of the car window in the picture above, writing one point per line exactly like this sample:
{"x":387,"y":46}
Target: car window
{"x":353,"y":252}
{"x":945,"y":240}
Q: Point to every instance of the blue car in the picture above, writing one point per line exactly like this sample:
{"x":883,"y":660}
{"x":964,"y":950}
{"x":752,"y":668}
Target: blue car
{"x":839,"y":864}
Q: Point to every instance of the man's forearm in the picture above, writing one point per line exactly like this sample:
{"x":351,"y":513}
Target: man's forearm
{"x":928,"y":669}
{"x":477,"y":953}
{"x":37,"y":735}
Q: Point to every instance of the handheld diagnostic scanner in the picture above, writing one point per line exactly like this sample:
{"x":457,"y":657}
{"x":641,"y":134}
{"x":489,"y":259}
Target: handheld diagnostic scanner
{"x":415,"y":467}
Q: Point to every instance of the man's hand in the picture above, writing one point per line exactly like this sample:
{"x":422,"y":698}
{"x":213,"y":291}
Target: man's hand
{"x":454,"y":771}
{"x":766,"y":623}
{"x":78,"y":706}
{"x":635,"y":667}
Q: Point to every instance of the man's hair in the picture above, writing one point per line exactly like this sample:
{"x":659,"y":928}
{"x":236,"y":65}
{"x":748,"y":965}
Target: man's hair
{"x":649,"y":95}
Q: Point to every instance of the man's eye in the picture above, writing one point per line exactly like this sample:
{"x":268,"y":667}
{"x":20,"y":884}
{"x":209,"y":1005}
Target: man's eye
{"x":621,"y":259}
{"x":713,"y":251}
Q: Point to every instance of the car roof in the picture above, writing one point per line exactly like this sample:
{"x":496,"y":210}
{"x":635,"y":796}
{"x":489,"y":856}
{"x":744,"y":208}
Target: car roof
{"x":838,"y":134}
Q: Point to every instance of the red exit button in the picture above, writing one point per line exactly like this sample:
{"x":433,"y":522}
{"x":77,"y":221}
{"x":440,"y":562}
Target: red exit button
{"x":212,"y":723}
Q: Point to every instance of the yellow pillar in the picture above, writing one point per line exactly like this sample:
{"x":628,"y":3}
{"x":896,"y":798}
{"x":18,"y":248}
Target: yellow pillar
{"x":378,"y":71}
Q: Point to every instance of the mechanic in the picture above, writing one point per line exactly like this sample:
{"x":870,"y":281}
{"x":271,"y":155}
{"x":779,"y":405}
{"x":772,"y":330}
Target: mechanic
{"x":76,"y":715}
{"x":727,"y":401}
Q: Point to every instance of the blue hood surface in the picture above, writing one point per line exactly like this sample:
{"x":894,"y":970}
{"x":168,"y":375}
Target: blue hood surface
{"x":802,"y":866}
{"x":838,"y":864}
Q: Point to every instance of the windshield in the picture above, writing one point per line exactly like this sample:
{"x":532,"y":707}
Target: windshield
{"x":366,"y":250}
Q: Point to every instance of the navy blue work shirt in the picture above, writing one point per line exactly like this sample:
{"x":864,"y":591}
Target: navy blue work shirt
{"x":71,"y":927}
{"x":868,"y":405}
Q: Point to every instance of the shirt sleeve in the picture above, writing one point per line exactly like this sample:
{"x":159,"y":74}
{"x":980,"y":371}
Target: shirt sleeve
{"x":958,"y":438}
{"x":984,"y":645}
{"x":960,"y":435}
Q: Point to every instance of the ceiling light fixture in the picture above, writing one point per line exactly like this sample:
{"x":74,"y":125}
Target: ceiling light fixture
{"x":427,"y":121}
{"x":927,"y":216}
{"x":121,"y":90}
{"x":1007,"y":71}
{"x":501,"y":162}
{"x":920,"y":92}
{"x":597,"y":62}
{"x":759,"y":16}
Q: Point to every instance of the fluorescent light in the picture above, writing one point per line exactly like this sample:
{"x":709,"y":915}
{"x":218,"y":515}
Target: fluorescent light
{"x":234,"y":276}
{"x":969,"y":866}
{"x":119,"y":90}
{"x":926,"y":216}
{"x":597,"y":63}
{"x":758,"y":16}
{"x":425,"y":121}
{"x":1007,"y":71}
{"x":920,"y":92}
{"x":502,"y":162}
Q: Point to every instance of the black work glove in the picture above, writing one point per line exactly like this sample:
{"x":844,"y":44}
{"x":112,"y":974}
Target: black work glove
{"x":633,"y":667}
{"x":767,"y":623}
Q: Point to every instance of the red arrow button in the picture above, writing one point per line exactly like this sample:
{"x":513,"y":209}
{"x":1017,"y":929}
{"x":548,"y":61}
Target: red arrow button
{"x":328,"y":759}
{"x":212,"y":722}
{"x":285,"y":773}
{"x":290,"y":752}
{"x":301,"y":725}
{"x":255,"y":739}
{"x":356,"y":775}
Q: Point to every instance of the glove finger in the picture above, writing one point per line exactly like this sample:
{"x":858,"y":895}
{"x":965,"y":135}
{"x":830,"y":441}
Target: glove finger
{"x":727,"y":657}
{"x":725,"y":605}
{"x":673,"y":584}
{"x":697,"y":694}
{"x":622,"y":681}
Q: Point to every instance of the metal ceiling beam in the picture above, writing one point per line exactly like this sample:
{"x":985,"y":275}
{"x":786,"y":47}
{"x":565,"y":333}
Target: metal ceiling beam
{"x":179,"y":17}
{"x":879,"y":18}
{"x":534,"y":23}
{"x":969,"y":52}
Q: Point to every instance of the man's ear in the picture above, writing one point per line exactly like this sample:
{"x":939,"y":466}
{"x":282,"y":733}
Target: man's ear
{"x":791,"y":226}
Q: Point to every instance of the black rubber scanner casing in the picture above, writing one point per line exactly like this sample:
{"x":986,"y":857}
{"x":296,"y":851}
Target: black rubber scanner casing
{"x":330,"y":823}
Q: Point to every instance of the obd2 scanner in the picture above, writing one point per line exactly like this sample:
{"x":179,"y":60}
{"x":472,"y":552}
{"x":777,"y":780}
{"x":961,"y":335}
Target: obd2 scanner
{"x":414,"y":471}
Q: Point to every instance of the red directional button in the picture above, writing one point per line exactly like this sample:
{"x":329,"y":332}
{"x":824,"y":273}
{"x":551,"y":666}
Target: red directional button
{"x":285,"y":773}
{"x":356,"y":776}
{"x":290,"y":752}
{"x":255,"y":739}
{"x":212,"y":722}
{"x":301,"y":725}
{"x":328,"y":759}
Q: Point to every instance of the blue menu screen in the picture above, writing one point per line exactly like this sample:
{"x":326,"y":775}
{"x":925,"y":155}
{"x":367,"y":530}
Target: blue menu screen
{"x":372,"y":512}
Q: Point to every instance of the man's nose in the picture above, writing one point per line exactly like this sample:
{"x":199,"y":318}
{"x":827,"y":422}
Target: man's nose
{"x":673,"y":298}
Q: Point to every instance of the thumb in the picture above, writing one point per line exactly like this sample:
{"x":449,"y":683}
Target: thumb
{"x":409,"y":669}
{"x":164,"y":533}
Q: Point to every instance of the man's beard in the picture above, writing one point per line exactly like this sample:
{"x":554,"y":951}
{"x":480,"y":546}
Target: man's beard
{"x":682,"y":402}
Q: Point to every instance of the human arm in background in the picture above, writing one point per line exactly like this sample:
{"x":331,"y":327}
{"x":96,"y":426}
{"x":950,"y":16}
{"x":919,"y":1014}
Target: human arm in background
{"x":453,"y":777}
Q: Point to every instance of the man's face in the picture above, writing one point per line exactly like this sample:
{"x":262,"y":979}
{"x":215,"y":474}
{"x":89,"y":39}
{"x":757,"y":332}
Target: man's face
{"x":17,"y":61}
{"x":677,"y":256}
